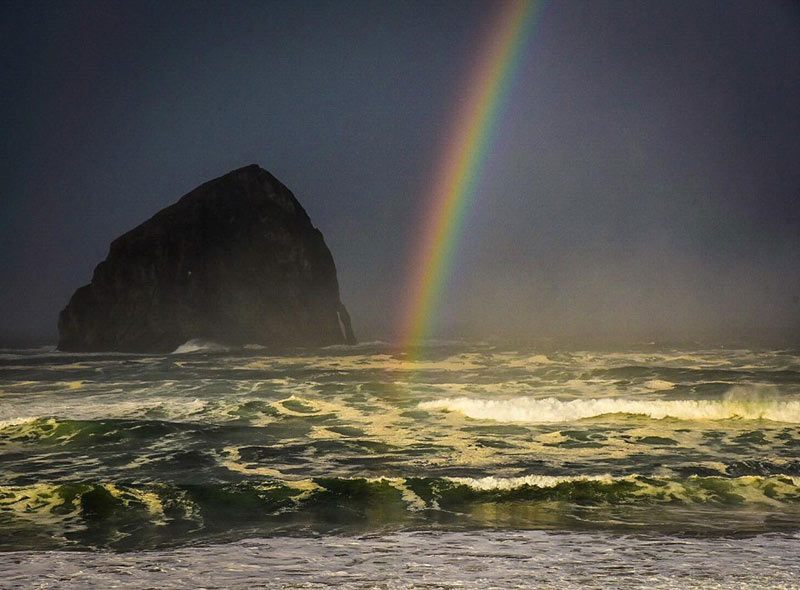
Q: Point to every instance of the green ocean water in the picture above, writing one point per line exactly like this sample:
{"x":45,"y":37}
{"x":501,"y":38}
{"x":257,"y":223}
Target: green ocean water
{"x":649,"y":447}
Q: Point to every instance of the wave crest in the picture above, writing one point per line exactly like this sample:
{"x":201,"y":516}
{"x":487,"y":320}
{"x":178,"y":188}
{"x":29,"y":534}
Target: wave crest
{"x":200,"y":345}
{"x":547,"y":410}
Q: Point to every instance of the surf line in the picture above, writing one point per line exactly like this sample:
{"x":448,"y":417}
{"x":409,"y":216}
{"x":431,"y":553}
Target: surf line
{"x":461,"y":164}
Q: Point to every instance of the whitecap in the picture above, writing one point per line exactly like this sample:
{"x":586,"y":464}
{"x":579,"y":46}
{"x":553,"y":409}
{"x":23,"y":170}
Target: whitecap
{"x":539,"y":481}
{"x":199,"y":345}
{"x":526,"y":409}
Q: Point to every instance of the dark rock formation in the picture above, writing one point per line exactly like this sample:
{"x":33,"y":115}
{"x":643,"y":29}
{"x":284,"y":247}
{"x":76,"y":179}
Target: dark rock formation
{"x":236,"y":261}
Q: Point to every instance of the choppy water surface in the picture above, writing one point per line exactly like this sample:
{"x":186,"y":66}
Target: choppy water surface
{"x":353,"y":467}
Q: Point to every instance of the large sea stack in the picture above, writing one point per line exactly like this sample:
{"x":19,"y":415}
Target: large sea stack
{"x":236,"y":261}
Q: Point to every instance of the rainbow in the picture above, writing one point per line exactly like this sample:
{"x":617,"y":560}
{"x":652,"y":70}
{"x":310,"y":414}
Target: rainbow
{"x":461,"y":164}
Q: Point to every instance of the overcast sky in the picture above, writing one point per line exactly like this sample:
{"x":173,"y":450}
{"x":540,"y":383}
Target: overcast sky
{"x":643,"y":181}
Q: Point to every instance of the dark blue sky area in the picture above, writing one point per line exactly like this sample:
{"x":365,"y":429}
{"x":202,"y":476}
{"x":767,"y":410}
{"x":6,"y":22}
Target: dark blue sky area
{"x":643,"y":181}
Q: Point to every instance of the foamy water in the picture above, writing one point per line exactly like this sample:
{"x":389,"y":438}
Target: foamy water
{"x":424,"y":560}
{"x":471,"y":466}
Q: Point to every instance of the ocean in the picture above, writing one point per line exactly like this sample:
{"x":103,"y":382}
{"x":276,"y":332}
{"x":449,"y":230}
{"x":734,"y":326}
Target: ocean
{"x":472,"y":466}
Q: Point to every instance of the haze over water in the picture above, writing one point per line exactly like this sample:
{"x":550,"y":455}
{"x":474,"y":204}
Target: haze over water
{"x":640,"y":178}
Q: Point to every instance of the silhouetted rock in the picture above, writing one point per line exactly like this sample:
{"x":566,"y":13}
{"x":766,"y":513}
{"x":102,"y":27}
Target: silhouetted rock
{"x":236,"y":261}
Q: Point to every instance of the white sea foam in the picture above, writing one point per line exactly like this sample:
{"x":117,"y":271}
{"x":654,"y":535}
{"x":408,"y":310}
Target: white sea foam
{"x":525,"y":409}
{"x":199,"y":345}
{"x":511,"y":483}
{"x":752,"y":488}
{"x":254,"y":347}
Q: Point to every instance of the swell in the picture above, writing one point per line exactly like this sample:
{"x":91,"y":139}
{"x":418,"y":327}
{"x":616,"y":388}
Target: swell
{"x":133,"y":516}
{"x":49,"y":430}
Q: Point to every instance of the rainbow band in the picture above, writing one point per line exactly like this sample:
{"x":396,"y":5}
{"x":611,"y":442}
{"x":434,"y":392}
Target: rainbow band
{"x":462,"y":163}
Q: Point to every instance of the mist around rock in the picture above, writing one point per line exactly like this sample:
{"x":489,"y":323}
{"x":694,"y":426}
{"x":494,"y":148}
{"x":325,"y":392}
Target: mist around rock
{"x":236,"y":261}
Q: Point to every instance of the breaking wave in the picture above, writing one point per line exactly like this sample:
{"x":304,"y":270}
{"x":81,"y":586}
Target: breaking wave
{"x":127,"y":516}
{"x":200,"y":345}
{"x":525,"y":409}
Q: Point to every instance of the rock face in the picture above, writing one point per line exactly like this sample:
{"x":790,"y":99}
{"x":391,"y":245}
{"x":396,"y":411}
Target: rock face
{"x":236,"y":261}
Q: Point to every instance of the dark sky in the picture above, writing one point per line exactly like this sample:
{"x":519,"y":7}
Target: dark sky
{"x":643,"y":181}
